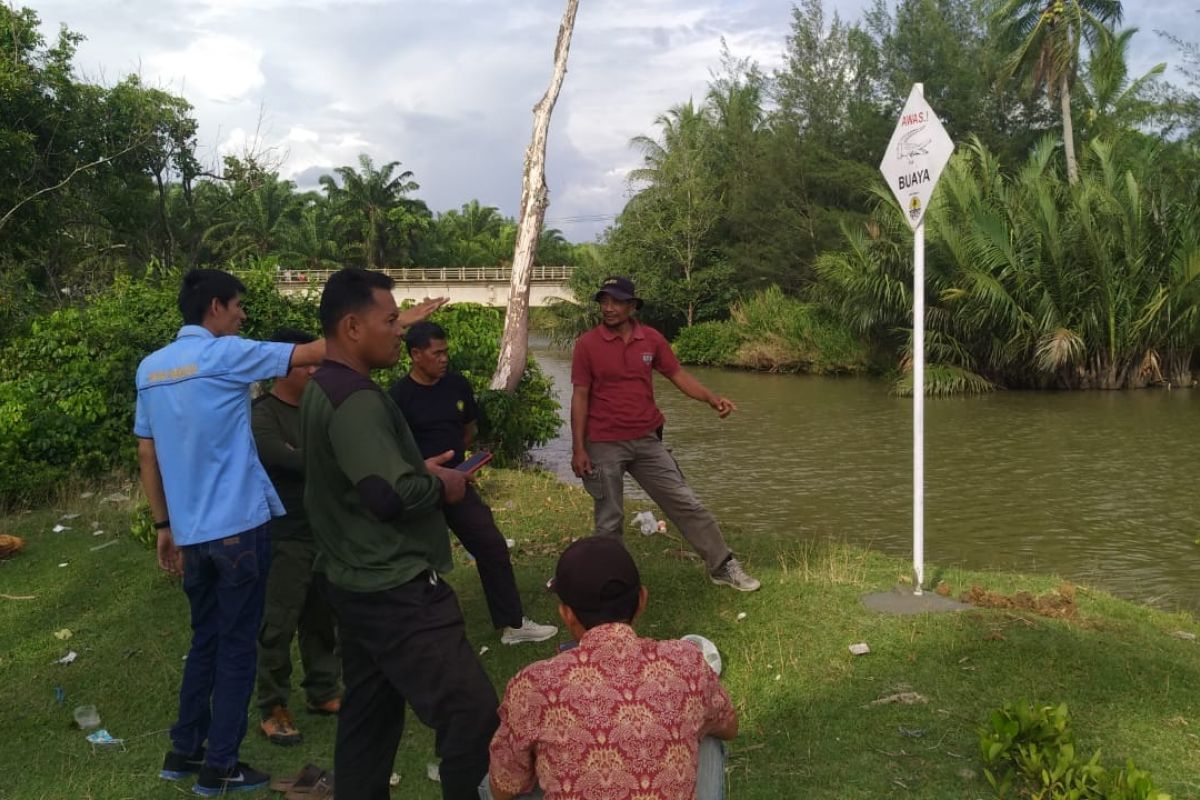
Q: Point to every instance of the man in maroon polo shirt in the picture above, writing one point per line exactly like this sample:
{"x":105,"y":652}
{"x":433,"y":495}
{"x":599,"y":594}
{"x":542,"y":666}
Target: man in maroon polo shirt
{"x":617,"y":428}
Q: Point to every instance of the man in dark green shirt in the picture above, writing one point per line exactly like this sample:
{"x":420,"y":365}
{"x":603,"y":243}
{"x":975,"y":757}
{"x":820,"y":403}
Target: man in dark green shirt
{"x":295,"y":599}
{"x":375,"y":507}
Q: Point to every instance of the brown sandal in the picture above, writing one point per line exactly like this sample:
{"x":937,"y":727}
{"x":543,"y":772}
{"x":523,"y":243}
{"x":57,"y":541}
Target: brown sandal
{"x":321,"y":790}
{"x":304,"y":782}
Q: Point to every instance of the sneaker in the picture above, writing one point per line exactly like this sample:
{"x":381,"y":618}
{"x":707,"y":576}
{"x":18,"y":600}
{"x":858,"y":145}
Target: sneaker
{"x":241,"y":778}
{"x":177,"y":765}
{"x":529,"y":631}
{"x":280,"y":728}
{"x":732,"y":574}
{"x":329,"y":708}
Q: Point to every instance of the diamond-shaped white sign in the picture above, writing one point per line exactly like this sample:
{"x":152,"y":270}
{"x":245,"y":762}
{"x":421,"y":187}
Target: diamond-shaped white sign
{"x":916,"y":156}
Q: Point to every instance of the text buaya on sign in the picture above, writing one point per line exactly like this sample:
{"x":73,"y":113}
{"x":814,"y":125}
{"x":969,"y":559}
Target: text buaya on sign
{"x":916,"y":156}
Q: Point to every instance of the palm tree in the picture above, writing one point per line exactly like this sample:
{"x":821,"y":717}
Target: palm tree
{"x":1048,"y":36}
{"x":1113,"y":102}
{"x":261,"y":223}
{"x":368,"y":196}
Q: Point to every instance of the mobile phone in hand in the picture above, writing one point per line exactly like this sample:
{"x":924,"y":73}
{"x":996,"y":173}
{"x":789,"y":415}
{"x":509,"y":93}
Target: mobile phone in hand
{"x":472,"y":464}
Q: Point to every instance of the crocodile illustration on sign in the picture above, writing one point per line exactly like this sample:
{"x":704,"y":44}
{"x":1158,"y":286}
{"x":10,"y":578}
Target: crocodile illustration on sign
{"x":912,"y":150}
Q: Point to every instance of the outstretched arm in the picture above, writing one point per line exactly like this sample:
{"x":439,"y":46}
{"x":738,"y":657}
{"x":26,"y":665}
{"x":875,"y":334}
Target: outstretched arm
{"x":688,"y":384}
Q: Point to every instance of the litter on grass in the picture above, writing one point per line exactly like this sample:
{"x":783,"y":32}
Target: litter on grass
{"x":859,"y":649}
{"x":98,"y":532}
{"x":433,"y":772}
{"x":483,"y":649}
{"x":645,"y":522}
{"x":394,"y":781}
{"x":87,"y":717}
{"x":102,"y":546}
{"x":901,"y":698}
{"x":63,"y":635}
{"x":68,"y":658}
{"x":65,"y":564}
{"x":60,"y":528}
{"x":69,"y":517}
{"x":86,"y":495}
{"x":741,"y":616}
{"x":104,"y":739}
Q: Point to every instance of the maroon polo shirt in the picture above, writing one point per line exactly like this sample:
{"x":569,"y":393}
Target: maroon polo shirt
{"x":620,"y":378}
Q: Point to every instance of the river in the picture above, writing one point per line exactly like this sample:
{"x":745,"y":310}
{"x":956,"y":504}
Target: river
{"x":1099,"y":487}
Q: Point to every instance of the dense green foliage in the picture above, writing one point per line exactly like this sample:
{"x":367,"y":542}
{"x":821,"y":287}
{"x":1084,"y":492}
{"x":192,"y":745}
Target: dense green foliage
{"x":1031,"y":281}
{"x":1031,"y":749}
{"x":770,"y":331}
{"x":67,"y":392}
{"x":1044,"y":272}
{"x":96,"y":183}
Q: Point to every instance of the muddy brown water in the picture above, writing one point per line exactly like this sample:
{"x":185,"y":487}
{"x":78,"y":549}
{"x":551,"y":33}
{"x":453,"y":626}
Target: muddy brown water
{"x":1099,"y":487}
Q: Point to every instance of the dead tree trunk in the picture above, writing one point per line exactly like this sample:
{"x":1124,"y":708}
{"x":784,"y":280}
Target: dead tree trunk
{"x":514,"y":344}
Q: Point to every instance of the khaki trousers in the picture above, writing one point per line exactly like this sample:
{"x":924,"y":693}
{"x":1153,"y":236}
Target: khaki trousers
{"x":654,"y":468}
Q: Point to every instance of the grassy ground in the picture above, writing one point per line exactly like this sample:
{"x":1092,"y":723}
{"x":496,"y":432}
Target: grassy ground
{"x":807,"y":725}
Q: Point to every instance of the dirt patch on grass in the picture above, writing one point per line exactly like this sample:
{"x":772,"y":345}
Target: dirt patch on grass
{"x":1057,"y":604}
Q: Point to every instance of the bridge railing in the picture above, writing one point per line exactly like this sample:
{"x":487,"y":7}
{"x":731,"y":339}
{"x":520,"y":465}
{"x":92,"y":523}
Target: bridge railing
{"x":411,"y":275}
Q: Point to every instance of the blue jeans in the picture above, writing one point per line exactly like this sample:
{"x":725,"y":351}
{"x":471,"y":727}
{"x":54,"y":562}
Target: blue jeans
{"x":225,"y":581}
{"x":710,"y":777}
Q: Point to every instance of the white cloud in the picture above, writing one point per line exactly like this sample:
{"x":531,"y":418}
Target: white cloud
{"x":297,"y":134}
{"x":216,"y":67}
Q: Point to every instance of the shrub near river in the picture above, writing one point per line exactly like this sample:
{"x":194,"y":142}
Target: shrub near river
{"x":67,"y":389}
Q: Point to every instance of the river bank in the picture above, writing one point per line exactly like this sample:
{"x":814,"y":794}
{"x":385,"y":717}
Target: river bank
{"x":808,"y":723}
{"x":1095,"y":486}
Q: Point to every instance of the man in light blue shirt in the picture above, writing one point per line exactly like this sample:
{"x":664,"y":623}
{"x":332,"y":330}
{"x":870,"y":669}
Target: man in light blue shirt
{"x":212,"y":502}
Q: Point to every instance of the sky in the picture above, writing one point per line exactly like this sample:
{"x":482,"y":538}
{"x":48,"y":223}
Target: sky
{"x":447,"y":87}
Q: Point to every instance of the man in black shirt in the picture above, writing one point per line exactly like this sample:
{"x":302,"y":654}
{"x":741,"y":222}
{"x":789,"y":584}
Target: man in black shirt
{"x":440,"y":409}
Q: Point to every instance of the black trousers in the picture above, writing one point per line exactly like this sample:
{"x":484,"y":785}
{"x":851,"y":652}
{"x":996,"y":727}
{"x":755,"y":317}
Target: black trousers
{"x":408,"y":645}
{"x":473,"y":524}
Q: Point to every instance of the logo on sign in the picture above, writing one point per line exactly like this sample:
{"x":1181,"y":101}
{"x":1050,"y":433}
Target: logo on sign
{"x":914,"y":207}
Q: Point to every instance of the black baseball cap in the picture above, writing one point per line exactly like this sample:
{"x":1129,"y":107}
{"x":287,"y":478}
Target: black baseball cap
{"x":597,"y":574}
{"x":619,"y":287}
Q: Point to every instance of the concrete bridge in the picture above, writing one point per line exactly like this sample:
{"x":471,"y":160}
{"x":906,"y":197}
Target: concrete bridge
{"x":484,"y":285}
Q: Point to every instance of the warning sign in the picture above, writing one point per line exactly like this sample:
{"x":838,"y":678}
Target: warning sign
{"x":916,"y":156}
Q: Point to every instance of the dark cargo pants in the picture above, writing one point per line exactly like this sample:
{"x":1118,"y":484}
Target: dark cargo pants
{"x":655,"y":469}
{"x":296,"y":602}
{"x":401,"y":647}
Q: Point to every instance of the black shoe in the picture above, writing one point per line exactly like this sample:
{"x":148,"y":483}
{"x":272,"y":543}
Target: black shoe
{"x":177,"y":765}
{"x":242,"y":778}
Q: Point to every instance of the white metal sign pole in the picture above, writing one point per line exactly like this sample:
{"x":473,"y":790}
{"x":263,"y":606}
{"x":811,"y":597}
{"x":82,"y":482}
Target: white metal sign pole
{"x":916,"y":155}
{"x":918,"y":367}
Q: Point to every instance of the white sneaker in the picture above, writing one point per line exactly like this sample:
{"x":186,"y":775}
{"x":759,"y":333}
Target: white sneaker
{"x":731,"y":573}
{"x":529,"y":631}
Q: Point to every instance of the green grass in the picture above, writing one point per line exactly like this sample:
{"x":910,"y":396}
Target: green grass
{"x":806,"y":724}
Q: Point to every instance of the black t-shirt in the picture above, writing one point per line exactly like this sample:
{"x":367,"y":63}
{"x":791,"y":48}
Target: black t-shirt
{"x":438,"y":414}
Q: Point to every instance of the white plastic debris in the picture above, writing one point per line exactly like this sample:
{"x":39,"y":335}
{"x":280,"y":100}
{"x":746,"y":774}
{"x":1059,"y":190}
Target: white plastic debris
{"x":433,"y":773}
{"x":68,"y":658}
{"x":859,"y":649}
{"x":741,"y":616}
{"x":102,"y":546}
{"x":394,"y":781}
{"x":60,"y":528}
{"x":511,"y":543}
{"x":483,"y":649}
{"x":707,"y":649}
{"x":65,"y":563}
{"x":68,"y":517}
{"x":778,"y":676}
{"x":98,"y":532}
{"x":645,"y":522}
{"x":116,"y":497}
